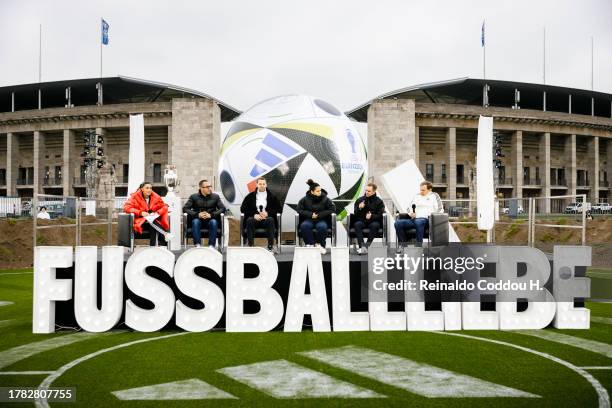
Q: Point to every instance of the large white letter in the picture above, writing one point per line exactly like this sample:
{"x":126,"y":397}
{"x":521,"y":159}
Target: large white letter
{"x":86,"y":283}
{"x":149,"y":288}
{"x":239,"y":289}
{"x":381,"y":319}
{"x":307,"y":265}
{"x":566,"y":286}
{"x":474,"y":318}
{"x":540,"y":304}
{"x":344,"y":319}
{"x":199,"y":288}
{"x":48,"y":289}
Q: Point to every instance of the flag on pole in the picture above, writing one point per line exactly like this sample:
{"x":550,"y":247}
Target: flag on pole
{"x":482,"y":34}
{"x":104,"y":32}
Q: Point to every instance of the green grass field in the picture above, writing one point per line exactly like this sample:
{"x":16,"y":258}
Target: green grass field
{"x":172,"y":356}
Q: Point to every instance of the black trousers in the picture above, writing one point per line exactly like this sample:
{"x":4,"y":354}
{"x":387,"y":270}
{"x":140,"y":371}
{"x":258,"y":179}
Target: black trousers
{"x":252,"y":224}
{"x":373,"y":227}
{"x":155,"y":237}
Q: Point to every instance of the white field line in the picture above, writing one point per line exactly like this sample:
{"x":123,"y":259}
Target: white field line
{"x":598,"y":319}
{"x":418,"y":378}
{"x":15,"y":354}
{"x":602,"y":393}
{"x":4,"y":323}
{"x":42,"y":402}
{"x":192,"y":389}
{"x":6,"y":303}
{"x":25,"y":372}
{"x":16,"y":273}
{"x":284,"y":379}
{"x":589,"y":345}
{"x":597,"y":368}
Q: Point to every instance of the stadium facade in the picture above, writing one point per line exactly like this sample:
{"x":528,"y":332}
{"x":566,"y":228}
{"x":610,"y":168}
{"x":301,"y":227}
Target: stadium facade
{"x":554,"y":140}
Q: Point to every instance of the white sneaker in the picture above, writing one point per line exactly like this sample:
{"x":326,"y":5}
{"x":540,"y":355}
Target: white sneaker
{"x":212,"y":247}
{"x":323,"y":250}
{"x":198,"y":245}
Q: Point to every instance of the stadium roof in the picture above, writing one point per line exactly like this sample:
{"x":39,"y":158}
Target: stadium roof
{"x":83,"y":92}
{"x":469,"y":91}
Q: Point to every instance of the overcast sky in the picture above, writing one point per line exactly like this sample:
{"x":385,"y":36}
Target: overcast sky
{"x":347,"y":52}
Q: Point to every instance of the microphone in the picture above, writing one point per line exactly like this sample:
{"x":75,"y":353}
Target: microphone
{"x":414,"y":208}
{"x":261,"y":208}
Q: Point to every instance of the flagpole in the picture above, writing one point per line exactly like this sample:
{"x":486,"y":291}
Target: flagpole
{"x":484,"y":51}
{"x":544,"y":58}
{"x":591,"y":63}
{"x":40,"y":53}
{"x":101,"y":47}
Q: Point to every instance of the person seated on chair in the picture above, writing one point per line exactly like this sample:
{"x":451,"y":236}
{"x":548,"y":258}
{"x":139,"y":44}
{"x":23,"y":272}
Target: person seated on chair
{"x":204,"y":207}
{"x":368,"y":213}
{"x":143,"y":202}
{"x":315,"y":209}
{"x":43,"y":214}
{"x":260,"y":208}
{"x":422,"y":206}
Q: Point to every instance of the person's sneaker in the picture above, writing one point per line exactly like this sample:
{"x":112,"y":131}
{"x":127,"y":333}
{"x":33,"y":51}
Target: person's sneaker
{"x":359,"y":251}
{"x":364,"y":250}
{"x":212,"y":247}
{"x":198,"y":245}
{"x":323,"y":250}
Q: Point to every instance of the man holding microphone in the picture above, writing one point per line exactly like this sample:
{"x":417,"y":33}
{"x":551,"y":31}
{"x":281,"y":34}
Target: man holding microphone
{"x":260,"y":208}
{"x":369,"y":210}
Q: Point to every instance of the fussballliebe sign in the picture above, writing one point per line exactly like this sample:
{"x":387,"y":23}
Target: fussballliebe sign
{"x":521,"y":273}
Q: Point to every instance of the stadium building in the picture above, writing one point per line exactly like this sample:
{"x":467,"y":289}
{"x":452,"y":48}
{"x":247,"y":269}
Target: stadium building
{"x":554,"y":140}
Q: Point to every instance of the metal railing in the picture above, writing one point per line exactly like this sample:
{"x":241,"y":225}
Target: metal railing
{"x":80,"y":213}
{"x":52,"y":181}
{"x":28,"y":181}
{"x":436,"y":179}
{"x":558,"y":182}
{"x":531,"y":181}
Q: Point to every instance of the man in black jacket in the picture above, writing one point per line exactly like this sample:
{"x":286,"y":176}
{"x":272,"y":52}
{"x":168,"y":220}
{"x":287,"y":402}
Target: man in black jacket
{"x":260,"y":208}
{"x":204,"y":207}
{"x":369,"y":210}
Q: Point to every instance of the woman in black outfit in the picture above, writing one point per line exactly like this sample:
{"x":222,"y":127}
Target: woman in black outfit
{"x":315,"y":210}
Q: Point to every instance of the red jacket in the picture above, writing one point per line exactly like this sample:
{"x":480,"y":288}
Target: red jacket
{"x":136,"y":204}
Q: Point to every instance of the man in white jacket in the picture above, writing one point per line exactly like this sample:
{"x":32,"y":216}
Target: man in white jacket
{"x":422,"y":206}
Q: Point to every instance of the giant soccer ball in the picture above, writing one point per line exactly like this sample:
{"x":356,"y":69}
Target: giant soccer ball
{"x":289,"y":139}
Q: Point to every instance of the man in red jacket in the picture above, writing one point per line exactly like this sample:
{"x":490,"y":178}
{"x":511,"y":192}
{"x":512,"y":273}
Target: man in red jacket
{"x":143,"y":202}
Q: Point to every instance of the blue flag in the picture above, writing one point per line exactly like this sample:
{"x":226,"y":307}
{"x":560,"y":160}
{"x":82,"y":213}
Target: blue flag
{"x":482,"y":34}
{"x":104,"y":32}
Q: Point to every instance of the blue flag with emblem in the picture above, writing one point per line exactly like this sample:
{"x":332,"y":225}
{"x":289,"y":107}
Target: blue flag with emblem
{"x":104,"y":32}
{"x":482,"y":34}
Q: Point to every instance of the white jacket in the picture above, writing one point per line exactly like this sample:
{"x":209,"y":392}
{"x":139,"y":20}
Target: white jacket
{"x":427,"y":204}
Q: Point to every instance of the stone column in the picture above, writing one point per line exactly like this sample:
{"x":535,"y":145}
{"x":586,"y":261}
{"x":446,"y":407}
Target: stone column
{"x":391,"y":136}
{"x":68,"y":162}
{"x":609,"y":164}
{"x":570,"y":168}
{"x":169,"y":144}
{"x":196,"y":127}
{"x":544,"y":153}
{"x":12,"y":157}
{"x":593,"y":148}
{"x":451,"y":163}
{"x":517,"y":163}
{"x":416,"y":146}
{"x":39,"y":161}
